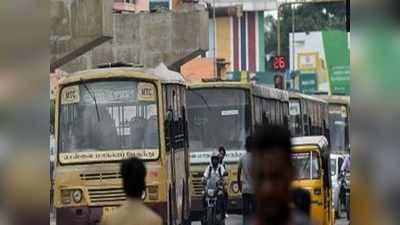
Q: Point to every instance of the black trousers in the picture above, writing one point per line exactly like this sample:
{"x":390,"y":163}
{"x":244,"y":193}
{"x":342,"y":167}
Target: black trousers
{"x":249,"y":207}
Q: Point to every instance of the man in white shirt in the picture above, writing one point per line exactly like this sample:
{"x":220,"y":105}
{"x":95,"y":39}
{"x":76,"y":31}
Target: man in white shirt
{"x":246,"y":184}
{"x":215,"y":168}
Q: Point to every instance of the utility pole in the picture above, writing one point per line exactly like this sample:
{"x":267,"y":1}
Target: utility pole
{"x":215,"y":41}
{"x":293,"y":40}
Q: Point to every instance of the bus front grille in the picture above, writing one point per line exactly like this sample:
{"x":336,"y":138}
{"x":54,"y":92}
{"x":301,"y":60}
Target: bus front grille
{"x":100,"y":176}
{"x":197,"y":185}
{"x":107,"y":195}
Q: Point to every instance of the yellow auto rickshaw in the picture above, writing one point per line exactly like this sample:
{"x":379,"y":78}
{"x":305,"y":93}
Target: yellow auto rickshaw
{"x":312,"y":173}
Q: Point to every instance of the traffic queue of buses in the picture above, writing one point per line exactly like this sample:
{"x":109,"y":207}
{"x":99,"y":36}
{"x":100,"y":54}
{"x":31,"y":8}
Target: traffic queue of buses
{"x":103,"y":116}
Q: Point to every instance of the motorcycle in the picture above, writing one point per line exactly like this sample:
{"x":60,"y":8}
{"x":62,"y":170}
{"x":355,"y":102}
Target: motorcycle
{"x":213,"y":197}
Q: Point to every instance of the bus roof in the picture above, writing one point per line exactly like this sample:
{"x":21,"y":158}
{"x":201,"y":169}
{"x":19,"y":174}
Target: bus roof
{"x":297,"y":95}
{"x":335,"y":99}
{"x":219,"y":84}
{"x":168,"y":76}
{"x":160,"y":72}
{"x":264,"y":91}
{"x":320,"y":141}
{"x":259,"y":90}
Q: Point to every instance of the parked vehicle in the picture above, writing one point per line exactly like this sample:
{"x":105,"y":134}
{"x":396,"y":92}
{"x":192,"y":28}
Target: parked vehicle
{"x":223,"y":113}
{"x":308,"y":115}
{"x":311,"y":162}
{"x":106,"y":115}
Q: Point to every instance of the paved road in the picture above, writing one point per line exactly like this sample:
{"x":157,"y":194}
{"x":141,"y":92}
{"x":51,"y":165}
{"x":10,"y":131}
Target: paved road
{"x":233,"y":219}
{"x":237,"y":220}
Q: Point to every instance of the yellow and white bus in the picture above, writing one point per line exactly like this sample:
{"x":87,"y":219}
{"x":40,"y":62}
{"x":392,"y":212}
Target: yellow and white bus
{"x":224,"y":113}
{"x":308,"y":115}
{"x":103,"y":116}
{"x":339,"y":113}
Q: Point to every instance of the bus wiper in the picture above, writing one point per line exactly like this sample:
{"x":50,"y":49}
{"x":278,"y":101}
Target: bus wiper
{"x":203,"y":99}
{"x":93,"y":97}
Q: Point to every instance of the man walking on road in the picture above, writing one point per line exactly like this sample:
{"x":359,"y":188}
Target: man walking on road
{"x":246,"y":184}
{"x":272,"y":173}
{"x":133,"y":212}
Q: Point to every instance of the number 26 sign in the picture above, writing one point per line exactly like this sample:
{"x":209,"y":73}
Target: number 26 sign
{"x":279,"y":63}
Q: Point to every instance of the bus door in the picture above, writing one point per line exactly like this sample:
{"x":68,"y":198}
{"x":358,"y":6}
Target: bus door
{"x":170,"y":136}
{"x":178,"y":155}
{"x":327,"y":186}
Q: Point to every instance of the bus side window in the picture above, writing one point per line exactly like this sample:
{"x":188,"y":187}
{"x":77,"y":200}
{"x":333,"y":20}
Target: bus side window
{"x":52,"y":115}
{"x":175,"y":124}
{"x":265,"y":120}
{"x":257,"y":110}
{"x":169,"y":117}
{"x":168,"y":129}
{"x":271,"y":111}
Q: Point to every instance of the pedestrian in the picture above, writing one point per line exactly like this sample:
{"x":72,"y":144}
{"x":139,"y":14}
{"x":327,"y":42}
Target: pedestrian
{"x":222,"y":154}
{"x":345,"y":168}
{"x":272,"y":172}
{"x":246,"y":184}
{"x":133,"y":211}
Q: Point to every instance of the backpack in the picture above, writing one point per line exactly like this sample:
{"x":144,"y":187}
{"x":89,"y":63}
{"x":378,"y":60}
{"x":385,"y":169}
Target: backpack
{"x":210,"y":170}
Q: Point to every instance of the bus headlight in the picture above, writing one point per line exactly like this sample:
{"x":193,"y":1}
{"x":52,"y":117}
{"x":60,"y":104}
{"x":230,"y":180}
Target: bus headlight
{"x":66,"y":196}
{"x":235,"y":187}
{"x":69,"y":195}
{"x":153,"y":192}
{"x":77,"y":195}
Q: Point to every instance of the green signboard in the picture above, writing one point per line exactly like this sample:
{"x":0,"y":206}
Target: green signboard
{"x":308,"y":83}
{"x":337,"y":55}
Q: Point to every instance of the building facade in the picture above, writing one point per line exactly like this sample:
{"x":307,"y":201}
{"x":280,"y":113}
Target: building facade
{"x":238,"y":38}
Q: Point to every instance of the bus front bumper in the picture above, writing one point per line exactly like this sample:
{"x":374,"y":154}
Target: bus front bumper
{"x":92,"y":215}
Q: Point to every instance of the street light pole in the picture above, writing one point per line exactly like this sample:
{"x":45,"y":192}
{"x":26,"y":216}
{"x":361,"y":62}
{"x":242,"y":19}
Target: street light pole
{"x":278,"y":31}
{"x":215,"y":41}
{"x":293,"y":41}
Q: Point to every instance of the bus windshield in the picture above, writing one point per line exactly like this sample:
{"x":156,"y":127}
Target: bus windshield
{"x":218,"y":117}
{"x":306,"y":165}
{"x":337,"y":126}
{"x":118,"y":117}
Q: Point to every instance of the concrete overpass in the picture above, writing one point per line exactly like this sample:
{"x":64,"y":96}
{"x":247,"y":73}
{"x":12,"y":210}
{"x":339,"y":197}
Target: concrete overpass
{"x":85,"y":33}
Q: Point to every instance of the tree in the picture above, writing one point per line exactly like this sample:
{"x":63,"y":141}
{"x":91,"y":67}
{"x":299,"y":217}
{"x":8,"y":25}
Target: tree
{"x":308,"y":17}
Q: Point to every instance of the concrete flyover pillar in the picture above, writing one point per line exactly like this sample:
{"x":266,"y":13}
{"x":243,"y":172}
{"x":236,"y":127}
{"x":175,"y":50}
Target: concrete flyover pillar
{"x":77,"y":26}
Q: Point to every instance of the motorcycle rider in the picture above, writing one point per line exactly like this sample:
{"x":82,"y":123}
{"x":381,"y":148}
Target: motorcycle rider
{"x":214,"y":169}
{"x":344,"y":170}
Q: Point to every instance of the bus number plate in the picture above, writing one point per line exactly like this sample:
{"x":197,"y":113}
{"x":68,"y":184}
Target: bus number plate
{"x":107,"y":211}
